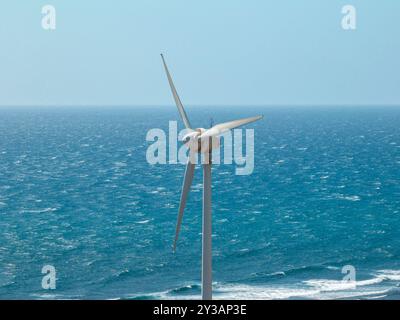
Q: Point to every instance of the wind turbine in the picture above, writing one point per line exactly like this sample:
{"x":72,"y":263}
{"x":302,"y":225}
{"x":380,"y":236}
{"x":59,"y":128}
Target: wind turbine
{"x":201,"y":140}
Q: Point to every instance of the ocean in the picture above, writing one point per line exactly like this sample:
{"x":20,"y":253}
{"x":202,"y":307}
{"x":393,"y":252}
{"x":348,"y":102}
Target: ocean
{"x":77,"y":193}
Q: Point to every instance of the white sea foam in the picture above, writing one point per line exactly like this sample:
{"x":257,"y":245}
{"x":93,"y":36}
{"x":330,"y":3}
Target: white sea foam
{"x":349,"y":198}
{"x":248,"y":292}
{"x":143,"y":221}
{"x":320,"y":289}
{"x":241,"y":292}
{"x":119,"y":164}
{"x":332,"y":268}
{"x":324,"y":285}
{"x":38,"y":210}
{"x":334,"y":285}
{"x":49,"y":296}
{"x":392,"y":275}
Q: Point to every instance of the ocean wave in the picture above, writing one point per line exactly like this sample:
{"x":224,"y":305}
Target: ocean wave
{"x":144,"y":221}
{"x":391,"y":275}
{"x":6,"y":284}
{"x":247,"y":292}
{"x":292,"y":271}
{"x":184,"y":292}
{"x":50,"y":296}
{"x":380,"y":276}
{"x":391,"y":294}
{"x":349,"y":198}
{"x":230,"y":292}
{"x":38,"y":210}
{"x":187,"y":288}
{"x":316,"y":289}
{"x":324,"y":285}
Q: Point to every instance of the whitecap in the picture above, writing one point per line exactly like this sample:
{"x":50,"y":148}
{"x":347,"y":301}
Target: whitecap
{"x":309,"y":289}
{"x":332,"y":268}
{"x":143,"y":221}
{"x":120,"y":164}
{"x":324,"y":285}
{"x":392,"y":275}
{"x":350,"y":198}
{"x":38,"y":210}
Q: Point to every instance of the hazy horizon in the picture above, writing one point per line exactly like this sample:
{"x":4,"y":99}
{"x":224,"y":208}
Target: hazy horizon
{"x":173,"y":107}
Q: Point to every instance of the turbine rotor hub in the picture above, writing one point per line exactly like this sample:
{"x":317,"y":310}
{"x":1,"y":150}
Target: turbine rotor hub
{"x":193,"y":141}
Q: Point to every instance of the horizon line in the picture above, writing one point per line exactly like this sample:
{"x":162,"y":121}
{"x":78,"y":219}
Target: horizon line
{"x":194,"y":105}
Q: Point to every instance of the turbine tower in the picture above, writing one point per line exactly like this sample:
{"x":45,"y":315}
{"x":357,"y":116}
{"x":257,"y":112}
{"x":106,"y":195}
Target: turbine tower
{"x":201,"y":140}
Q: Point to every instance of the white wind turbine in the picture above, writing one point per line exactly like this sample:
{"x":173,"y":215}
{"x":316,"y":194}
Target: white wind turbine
{"x":201,"y":140}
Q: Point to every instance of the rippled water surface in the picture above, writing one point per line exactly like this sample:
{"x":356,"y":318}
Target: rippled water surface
{"x":76,"y":192}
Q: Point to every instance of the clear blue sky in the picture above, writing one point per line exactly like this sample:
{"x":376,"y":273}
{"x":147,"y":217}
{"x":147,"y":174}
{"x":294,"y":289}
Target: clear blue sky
{"x":225,"y":52}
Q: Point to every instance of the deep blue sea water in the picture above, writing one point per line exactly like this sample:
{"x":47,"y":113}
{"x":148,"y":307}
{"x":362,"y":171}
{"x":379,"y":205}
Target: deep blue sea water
{"x":76,"y":192}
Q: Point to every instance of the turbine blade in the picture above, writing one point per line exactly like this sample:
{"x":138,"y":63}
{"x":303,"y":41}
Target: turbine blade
{"x":226,"y":126}
{"x":176,"y":97}
{"x":187,"y":182}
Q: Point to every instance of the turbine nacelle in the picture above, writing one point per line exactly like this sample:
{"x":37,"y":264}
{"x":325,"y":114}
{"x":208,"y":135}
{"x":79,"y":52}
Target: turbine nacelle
{"x":197,"y":143}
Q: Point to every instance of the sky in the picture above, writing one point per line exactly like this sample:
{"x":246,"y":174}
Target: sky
{"x":225,"y":52}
